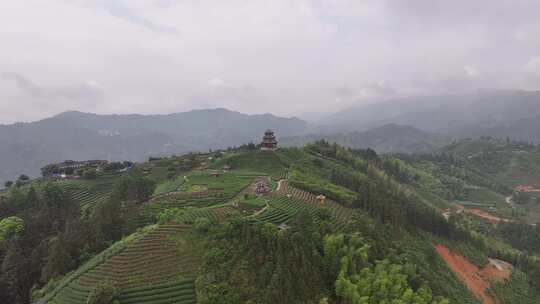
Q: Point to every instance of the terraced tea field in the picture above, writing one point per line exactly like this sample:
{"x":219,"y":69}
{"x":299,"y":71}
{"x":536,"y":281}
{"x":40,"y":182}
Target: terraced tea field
{"x":68,"y":289}
{"x":219,"y":191}
{"x":284,"y":210}
{"x":214,"y":214}
{"x":150,"y":211}
{"x":286,"y":189}
{"x":74,"y":293}
{"x":161,"y":255}
{"x":159,"y":268}
{"x":169,"y":186}
{"x":88,"y":194}
{"x":173,"y":292}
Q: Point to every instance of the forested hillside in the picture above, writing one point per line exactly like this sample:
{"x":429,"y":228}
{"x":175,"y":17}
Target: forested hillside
{"x":317,"y":224}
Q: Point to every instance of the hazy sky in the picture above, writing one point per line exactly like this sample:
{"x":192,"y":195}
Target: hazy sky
{"x":281,"y":56}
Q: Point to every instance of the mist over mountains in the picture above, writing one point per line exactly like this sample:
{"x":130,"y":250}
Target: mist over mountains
{"x":408,"y":125}
{"x":385,"y":139}
{"x":502,"y":113}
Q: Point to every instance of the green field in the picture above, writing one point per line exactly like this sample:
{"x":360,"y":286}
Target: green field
{"x":231,"y":183}
{"x":253,"y":202}
{"x":254,"y":163}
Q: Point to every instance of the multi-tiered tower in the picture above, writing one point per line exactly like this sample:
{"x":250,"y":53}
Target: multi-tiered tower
{"x":269,"y":141}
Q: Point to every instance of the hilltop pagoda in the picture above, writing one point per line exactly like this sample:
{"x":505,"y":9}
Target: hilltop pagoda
{"x":269,"y":141}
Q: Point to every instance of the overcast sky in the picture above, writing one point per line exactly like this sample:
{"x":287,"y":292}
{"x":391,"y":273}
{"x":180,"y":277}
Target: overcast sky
{"x":281,"y":56}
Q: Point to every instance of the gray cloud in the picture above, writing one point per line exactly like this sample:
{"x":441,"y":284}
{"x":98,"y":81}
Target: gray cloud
{"x":24,"y":100}
{"x":280,"y":56}
{"x":74,"y":92}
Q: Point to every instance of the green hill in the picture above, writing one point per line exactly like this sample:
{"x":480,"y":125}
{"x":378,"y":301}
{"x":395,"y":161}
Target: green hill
{"x":318,"y":224}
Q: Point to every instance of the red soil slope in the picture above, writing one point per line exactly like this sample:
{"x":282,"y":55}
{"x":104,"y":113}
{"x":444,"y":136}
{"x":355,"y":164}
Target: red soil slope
{"x":477,"y":280}
{"x":485,"y":215}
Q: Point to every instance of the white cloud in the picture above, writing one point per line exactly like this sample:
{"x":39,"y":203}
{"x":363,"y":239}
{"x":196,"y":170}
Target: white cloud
{"x":216,"y":82}
{"x":470,"y":71}
{"x":168,"y":55}
{"x":533,"y":65}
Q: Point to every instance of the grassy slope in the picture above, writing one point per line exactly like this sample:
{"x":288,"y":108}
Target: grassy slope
{"x":254,"y":163}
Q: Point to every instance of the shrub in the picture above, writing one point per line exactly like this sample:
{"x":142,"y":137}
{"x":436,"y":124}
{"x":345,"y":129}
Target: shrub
{"x":90,"y":174}
{"x":169,"y":215}
{"x":105,"y":293}
{"x":113,"y":166}
{"x":10,"y":227}
{"x":202,"y":224}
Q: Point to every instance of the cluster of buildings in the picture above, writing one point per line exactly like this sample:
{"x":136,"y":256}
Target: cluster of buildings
{"x":72,"y":164}
{"x":69,"y":167}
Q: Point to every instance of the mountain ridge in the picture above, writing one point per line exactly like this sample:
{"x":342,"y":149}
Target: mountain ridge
{"x":461,"y":115}
{"x":389,"y":138}
{"x":26,"y":147}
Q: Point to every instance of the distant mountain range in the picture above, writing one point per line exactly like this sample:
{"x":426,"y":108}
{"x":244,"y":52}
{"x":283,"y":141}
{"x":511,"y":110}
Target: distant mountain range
{"x":408,"y":125}
{"x":26,"y":147}
{"x":385,"y":139}
{"x":503,"y":113}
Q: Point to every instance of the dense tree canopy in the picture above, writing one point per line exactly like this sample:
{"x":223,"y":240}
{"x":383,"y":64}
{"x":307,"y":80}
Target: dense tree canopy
{"x":10,"y":227}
